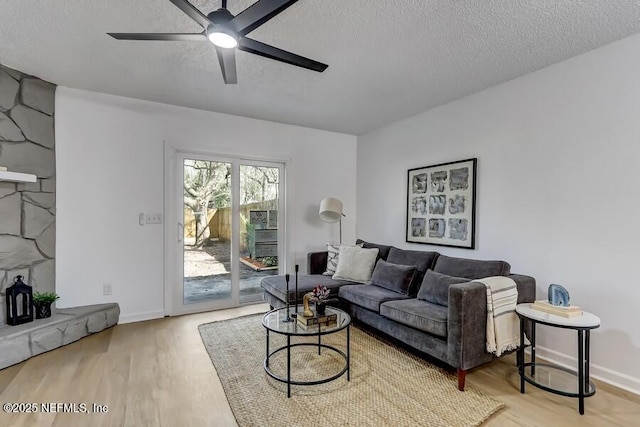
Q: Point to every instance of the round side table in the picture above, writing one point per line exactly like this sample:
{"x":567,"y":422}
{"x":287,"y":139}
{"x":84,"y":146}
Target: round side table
{"x":549,"y":377}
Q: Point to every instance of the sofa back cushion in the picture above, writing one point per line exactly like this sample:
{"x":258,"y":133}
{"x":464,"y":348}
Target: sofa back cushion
{"x":422,"y":260}
{"x":356,"y":264}
{"x":333,"y":254}
{"x":383,"y":250}
{"x":395,"y":277}
{"x":471,"y":268}
{"x":435,"y":287}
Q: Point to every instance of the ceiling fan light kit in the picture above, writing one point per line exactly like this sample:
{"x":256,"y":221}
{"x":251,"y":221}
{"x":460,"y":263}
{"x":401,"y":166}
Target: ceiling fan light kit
{"x":227,"y":32}
{"x":222,"y":39}
{"x":219,"y":32}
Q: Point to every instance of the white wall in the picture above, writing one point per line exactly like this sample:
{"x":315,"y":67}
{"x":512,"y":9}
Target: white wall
{"x":558,"y":158}
{"x":110,"y":160}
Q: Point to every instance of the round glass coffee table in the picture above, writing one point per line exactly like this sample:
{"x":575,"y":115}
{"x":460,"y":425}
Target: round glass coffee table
{"x":276,"y":321}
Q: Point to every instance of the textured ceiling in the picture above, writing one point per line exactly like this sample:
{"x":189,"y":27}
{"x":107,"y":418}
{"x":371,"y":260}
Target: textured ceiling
{"x":388,"y":59}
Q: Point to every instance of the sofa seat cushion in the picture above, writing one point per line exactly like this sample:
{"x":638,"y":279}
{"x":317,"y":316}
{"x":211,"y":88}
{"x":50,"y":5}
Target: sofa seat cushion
{"x":394,"y":277}
{"x":435,"y":287}
{"x":422,"y":315}
{"x":422,"y":260}
{"x":471,"y":268}
{"x":368,"y":296}
{"x":277,"y":286}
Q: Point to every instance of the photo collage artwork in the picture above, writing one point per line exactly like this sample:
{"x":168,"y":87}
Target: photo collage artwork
{"x":441,"y":204}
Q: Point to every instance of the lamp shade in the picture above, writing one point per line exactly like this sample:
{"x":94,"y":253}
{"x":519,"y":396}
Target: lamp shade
{"x":330,"y":210}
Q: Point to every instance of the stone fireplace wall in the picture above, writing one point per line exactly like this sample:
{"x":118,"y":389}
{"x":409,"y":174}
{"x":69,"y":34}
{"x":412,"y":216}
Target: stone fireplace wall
{"x":27,"y":210}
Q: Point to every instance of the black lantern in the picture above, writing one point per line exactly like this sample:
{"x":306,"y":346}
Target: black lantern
{"x":19,"y":303}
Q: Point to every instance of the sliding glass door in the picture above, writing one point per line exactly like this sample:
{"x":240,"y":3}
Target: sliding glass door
{"x":230,"y":233}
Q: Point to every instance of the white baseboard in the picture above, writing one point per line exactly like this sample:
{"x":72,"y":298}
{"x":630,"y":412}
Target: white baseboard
{"x":139,"y":317}
{"x":598,"y":372}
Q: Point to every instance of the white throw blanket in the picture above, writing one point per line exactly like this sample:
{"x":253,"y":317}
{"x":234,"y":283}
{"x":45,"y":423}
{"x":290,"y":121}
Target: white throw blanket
{"x":503,"y":325}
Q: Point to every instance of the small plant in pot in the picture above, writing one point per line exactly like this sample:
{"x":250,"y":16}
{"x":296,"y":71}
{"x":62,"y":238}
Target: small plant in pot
{"x":42,"y":303}
{"x":320,"y":295}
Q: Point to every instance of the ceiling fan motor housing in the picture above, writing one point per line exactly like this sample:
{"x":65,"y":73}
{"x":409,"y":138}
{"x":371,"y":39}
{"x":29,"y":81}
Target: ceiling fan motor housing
{"x":220,"y":19}
{"x":220,"y":16}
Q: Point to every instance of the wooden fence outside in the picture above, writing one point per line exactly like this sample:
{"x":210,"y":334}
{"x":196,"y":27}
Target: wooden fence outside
{"x":220,"y":221}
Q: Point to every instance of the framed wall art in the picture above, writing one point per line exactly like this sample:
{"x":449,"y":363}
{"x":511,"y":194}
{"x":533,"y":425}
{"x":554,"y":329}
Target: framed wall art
{"x":441,"y":204}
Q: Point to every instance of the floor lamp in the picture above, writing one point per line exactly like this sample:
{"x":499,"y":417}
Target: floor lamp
{"x":331,"y":211}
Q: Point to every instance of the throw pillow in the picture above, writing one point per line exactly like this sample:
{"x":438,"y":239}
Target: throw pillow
{"x":333,"y":254}
{"x":422,"y":260}
{"x":355,"y":263}
{"x":435,"y":287}
{"x":395,"y":277}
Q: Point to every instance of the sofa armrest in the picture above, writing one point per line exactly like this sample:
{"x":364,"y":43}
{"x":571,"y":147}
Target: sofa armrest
{"x":317,"y":262}
{"x":467,"y":325}
{"x":526,"y":293}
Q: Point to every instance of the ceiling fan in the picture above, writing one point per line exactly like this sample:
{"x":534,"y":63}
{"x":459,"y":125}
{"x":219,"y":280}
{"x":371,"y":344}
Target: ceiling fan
{"x":227,"y":32}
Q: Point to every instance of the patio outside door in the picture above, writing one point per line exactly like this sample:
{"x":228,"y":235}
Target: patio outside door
{"x":229,"y":230}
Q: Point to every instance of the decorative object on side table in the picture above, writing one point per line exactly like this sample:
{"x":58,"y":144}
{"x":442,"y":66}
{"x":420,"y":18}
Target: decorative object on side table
{"x":557,"y":303}
{"x":319,"y":296}
{"x":305,"y":304}
{"x":295,"y":312}
{"x":288,"y":318}
{"x":324,"y":320}
{"x":42,"y":303}
{"x":558,"y":295}
{"x":441,"y":204}
{"x":22,"y":312}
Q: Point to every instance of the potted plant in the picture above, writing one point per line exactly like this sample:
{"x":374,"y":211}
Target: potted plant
{"x":319,"y":295}
{"x":42,"y":303}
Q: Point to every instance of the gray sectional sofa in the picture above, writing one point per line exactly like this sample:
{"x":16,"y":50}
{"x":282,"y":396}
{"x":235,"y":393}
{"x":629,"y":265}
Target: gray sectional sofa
{"x":421,"y":298}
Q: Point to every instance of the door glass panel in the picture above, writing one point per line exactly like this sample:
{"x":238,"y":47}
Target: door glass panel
{"x":207,"y":230}
{"x":259,"y":197}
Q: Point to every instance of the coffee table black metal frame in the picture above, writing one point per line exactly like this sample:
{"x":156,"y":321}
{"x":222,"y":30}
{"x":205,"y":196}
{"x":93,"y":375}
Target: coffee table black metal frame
{"x":583,"y":326}
{"x":273,"y":322}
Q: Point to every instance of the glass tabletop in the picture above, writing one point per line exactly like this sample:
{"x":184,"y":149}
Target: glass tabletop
{"x":274,"y":321}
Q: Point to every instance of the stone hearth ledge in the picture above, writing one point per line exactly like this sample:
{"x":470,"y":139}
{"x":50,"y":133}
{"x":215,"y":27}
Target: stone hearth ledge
{"x":66,"y":325}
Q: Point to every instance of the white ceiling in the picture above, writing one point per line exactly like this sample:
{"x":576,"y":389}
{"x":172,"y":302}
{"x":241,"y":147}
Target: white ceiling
{"x":388,"y":59}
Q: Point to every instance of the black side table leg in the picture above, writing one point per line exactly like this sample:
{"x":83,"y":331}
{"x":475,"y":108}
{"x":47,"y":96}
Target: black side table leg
{"x":581,"y":371}
{"x":266,"y":360}
{"x":533,"y":348}
{"x":520,"y":355}
{"x":587,"y":334}
{"x":288,"y":365}
{"x":349,"y":353}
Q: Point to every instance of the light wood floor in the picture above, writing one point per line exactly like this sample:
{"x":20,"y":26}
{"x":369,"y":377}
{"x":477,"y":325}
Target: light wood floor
{"x":157,"y":373}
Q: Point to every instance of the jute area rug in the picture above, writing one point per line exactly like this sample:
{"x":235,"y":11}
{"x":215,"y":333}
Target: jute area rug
{"x":389,"y":386}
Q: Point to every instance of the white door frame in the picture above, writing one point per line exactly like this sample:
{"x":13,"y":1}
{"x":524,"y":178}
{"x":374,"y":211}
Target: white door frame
{"x":174,"y":294}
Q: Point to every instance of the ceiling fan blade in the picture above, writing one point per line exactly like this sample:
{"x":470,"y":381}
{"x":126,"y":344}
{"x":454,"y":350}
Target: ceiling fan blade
{"x":227,"y":58}
{"x":159,"y":36}
{"x":253,"y":46}
{"x":257,"y":14}
{"x":192,"y":12}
